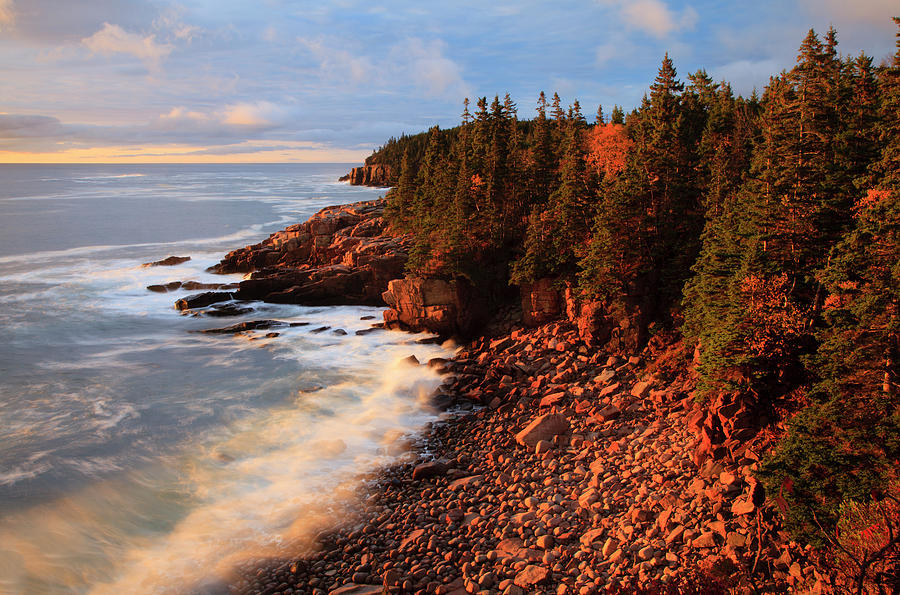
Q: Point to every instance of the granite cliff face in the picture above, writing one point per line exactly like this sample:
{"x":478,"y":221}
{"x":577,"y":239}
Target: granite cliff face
{"x":443,"y":307}
{"x":369,"y":175}
{"x":598,"y":323}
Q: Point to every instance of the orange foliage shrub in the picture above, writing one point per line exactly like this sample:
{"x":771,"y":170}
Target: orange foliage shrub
{"x":873,"y":197}
{"x":607,"y":148}
{"x":777,"y":320}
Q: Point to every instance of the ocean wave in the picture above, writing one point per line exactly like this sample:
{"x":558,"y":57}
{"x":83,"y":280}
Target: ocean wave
{"x":52,"y":255}
{"x":107,"y":177}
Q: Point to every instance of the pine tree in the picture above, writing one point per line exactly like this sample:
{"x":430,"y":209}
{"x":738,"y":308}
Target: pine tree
{"x":617,"y":116}
{"x":401,"y":198}
{"x":557,"y":113}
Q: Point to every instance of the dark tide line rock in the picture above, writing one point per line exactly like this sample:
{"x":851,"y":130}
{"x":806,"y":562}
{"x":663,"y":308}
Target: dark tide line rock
{"x":252,"y":325}
{"x":167,"y":262}
{"x":201,"y":300}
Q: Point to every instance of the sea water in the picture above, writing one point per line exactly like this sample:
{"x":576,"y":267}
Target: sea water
{"x":138,"y":455}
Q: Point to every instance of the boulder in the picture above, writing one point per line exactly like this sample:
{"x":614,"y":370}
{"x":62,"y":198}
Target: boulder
{"x":429,"y":469}
{"x":544,"y":427}
{"x":531,"y":575}
{"x":354,"y":589}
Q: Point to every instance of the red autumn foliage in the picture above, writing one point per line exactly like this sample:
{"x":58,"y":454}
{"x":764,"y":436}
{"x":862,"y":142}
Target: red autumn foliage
{"x":607,"y":148}
{"x":872,"y":198}
{"x":778,"y":320}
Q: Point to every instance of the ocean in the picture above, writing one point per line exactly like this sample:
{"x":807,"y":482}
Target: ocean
{"x":138,"y":455}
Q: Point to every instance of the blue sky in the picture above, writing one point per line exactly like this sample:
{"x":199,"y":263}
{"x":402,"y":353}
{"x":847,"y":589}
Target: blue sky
{"x":276,"y":80}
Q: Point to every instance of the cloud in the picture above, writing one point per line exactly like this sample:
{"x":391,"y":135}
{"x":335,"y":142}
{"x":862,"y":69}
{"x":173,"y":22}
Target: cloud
{"x":617,"y":45}
{"x":14,"y":126}
{"x":653,"y":16}
{"x":7,"y":14}
{"x":413,"y":62}
{"x":747,"y":75}
{"x":179,"y":116}
{"x":340,"y":63}
{"x":236,"y":120}
{"x":259,"y":114}
{"x":112,"y":39}
{"x":431,"y":70}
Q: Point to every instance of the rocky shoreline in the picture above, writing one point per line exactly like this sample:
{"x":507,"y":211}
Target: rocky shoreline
{"x":574,"y":457}
{"x":562,"y":469}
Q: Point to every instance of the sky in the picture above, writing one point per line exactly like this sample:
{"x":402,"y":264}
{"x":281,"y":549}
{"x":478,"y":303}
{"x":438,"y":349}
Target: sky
{"x":330,"y":81}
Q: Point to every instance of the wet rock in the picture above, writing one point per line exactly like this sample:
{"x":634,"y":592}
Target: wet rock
{"x":201,"y":300}
{"x":252,"y":325}
{"x":429,"y":469}
{"x":227,"y":310}
{"x":167,"y":262}
{"x":165,"y":288}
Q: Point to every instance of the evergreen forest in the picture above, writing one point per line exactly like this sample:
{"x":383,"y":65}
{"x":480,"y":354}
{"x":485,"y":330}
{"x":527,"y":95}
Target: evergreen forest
{"x":764,"y":231}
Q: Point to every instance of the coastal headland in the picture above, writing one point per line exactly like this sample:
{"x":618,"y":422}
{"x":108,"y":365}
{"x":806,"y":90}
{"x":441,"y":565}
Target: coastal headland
{"x":573,"y":457}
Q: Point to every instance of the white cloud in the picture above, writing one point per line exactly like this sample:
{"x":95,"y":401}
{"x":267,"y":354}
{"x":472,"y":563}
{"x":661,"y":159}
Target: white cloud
{"x":747,"y":75}
{"x":653,"y":16}
{"x":181,"y":115}
{"x":414,"y":62}
{"x":259,"y":114}
{"x":431,"y":71}
{"x":112,"y":39}
{"x":340,"y":63}
{"x":616,"y":46}
{"x":7,"y":14}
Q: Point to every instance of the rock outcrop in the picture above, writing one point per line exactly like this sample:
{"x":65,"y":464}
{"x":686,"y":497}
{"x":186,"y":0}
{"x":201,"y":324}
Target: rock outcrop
{"x":378,"y":175}
{"x":598,"y":323}
{"x":541,"y":302}
{"x":443,"y":307}
{"x":341,"y":255}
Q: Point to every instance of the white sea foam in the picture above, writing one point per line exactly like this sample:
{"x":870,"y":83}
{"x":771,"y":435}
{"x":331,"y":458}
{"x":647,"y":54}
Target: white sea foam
{"x":138,"y":456}
{"x":258,"y":487}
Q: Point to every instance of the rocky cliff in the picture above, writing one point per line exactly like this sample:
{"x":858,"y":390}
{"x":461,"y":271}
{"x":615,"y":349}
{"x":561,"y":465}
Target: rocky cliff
{"x":341,"y":255}
{"x":443,"y":307}
{"x":598,"y":323}
{"x":369,"y":175}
